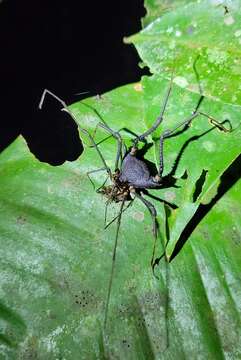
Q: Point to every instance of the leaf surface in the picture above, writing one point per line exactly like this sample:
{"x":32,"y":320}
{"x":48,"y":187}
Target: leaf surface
{"x":203,"y":30}
{"x":195,"y":159}
{"x":55,"y":256}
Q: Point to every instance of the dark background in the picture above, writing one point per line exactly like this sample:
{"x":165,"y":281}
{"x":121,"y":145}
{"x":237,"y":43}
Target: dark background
{"x":67,"y":47}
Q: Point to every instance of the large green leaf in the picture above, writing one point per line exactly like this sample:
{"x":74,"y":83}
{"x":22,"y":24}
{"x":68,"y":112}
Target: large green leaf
{"x":199,"y":153}
{"x":56,"y":258}
{"x":205,"y":30}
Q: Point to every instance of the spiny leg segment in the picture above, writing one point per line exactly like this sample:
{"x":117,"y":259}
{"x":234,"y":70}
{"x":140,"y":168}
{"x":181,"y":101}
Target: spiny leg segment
{"x":113,"y":262}
{"x":65,"y":108}
{"x":118,"y":162}
{"x":152,"y":210}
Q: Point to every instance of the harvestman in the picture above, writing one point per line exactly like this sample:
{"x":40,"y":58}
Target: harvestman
{"x":132,"y":175}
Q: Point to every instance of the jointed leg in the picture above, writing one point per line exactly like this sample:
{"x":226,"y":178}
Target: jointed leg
{"x":113,"y":262}
{"x":94,"y":134}
{"x":171,"y":205}
{"x":153,"y":214}
{"x":158,"y":120}
{"x":65,"y":108}
{"x":45,"y":92}
{"x":114,"y":219}
{"x":113,"y":133}
{"x":118,"y":137}
{"x":108,"y":170}
{"x":106,"y":209}
{"x":168,"y":133}
{"x":94,"y":171}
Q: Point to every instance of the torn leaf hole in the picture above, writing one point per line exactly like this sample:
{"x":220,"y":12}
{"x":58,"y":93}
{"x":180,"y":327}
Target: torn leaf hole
{"x":185,"y":175}
{"x":199,"y":185}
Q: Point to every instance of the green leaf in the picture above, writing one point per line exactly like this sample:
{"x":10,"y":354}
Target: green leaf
{"x":205,"y":283}
{"x":198,"y":152}
{"x":205,"y":31}
{"x":157,"y":8}
{"x":56,"y":258}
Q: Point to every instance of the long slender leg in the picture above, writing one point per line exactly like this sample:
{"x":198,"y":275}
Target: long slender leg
{"x":153,"y":214}
{"x":217,"y":123}
{"x":171,"y":205}
{"x":161,"y":164}
{"x":118,"y":137}
{"x":159,"y":119}
{"x":187,"y":122}
{"x":98,"y":151}
{"x":94,"y":134}
{"x":128,"y":131}
{"x":116,"y":217}
{"x":45,"y":92}
{"x":199,"y":84}
{"x":106,"y":210}
{"x":168,"y":133}
{"x":155,"y":261}
{"x":113,"y":263}
{"x":65,"y":108}
{"x":115,"y":134}
{"x":94,"y":171}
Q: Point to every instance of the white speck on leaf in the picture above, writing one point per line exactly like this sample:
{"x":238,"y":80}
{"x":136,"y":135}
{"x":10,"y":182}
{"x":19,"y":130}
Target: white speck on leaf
{"x":49,"y":189}
{"x":216,"y":2}
{"x":138,"y":87}
{"x":178,"y":33}
{"x":209,"y":146}
{"x":138,"y":216}
{"x":216,"y":56}
{"x":181,"y":81}
{"x":237,"y":33}
{"x":169,"y":30}
{"x":228,"y":20}
{"x":50,"y":340}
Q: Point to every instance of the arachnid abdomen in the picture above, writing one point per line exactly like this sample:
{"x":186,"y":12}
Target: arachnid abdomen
{"x":136,"y":173}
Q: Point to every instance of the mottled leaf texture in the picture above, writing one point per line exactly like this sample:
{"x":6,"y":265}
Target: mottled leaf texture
{"x":210,"y":30}
{"x":56,"y":257}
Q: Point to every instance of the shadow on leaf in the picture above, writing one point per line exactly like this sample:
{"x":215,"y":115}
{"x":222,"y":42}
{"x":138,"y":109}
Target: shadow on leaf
{"x":227,"y":180}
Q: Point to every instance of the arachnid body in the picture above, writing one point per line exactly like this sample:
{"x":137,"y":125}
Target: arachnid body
{"x":132,"y":177}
